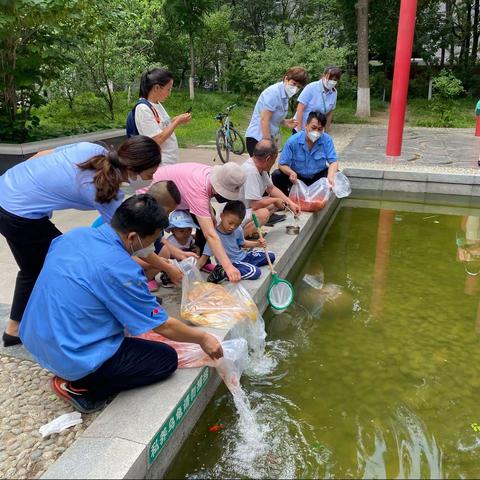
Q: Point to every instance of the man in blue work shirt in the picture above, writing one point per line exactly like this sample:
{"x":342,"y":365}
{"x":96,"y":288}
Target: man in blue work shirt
{"x":90,"y":292}
{"x":307,"y":156}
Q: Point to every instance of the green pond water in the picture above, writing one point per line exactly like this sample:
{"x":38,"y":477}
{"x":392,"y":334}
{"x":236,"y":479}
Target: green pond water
{"x":376,"y":375}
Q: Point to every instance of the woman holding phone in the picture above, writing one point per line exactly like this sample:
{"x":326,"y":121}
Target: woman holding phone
{"x":151,"y":118}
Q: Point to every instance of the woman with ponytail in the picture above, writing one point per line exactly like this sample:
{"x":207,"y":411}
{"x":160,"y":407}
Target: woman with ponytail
{"x":151,"y":118}
{"x":82,"y":176}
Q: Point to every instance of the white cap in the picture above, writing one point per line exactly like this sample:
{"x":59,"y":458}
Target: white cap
{"x":227,"y":180}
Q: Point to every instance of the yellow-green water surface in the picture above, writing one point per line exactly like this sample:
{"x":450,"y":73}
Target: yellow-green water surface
{"x":375,"y":375}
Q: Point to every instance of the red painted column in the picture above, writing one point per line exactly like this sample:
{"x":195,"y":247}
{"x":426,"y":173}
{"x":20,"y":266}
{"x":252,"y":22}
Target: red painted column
{"x":401,"y":75}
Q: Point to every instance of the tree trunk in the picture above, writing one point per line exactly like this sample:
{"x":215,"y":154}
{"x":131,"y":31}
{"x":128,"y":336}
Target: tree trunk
{"x":476,"y":32}
{"x":468,"y":33}
{"x":106,"y":84}
{"x":8,"y":60}
{"x":451,"y":30}
{"x":363,"y":90}
{"x":192,"y":68}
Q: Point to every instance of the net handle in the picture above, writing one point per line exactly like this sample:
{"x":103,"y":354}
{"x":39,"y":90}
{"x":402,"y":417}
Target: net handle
{"x":257,"y":225}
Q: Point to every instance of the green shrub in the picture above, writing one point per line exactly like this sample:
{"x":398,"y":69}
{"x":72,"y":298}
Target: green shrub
{"x":446,"y":87}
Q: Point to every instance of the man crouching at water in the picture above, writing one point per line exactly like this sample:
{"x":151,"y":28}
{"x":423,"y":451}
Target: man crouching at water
{"x":88,"y":294}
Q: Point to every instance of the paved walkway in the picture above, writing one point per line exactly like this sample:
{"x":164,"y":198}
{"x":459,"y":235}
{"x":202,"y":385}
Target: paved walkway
{"x":432,"y":149}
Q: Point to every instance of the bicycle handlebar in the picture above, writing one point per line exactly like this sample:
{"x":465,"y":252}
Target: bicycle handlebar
{"x":231,"y":107}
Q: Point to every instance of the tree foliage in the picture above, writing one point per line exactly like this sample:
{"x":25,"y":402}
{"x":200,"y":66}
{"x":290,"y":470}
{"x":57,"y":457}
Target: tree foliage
{"x":62,"y":48}
{"x":35,"y":36}
{"x":310,"y":49}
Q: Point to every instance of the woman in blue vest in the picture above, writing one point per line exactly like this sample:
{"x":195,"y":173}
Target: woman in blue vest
{"x":83,"y":176}
{"x":272,"y":108}
{"x":319,"y":96}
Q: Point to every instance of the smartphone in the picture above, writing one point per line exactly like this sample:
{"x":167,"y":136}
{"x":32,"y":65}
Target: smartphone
{"x":189,"y":110}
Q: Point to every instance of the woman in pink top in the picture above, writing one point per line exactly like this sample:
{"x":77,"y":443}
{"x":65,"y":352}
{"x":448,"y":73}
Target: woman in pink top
{"x":197,"y":184}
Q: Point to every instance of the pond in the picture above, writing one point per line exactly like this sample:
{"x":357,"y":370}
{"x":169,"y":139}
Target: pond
{"x":376,"y":374}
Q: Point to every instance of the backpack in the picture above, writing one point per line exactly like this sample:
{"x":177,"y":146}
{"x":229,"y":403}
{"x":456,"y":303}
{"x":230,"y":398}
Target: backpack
{"x":130,"y":125}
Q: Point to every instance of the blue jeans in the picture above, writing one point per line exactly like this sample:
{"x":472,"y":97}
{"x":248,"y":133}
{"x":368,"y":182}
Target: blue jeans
{"x":248,"y":267}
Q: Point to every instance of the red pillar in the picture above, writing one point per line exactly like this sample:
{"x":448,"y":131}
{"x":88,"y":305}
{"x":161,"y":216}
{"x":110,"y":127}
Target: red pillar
{"x":401,"y":74}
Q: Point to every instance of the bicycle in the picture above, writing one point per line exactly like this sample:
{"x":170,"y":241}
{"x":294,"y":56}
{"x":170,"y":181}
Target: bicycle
{"x":228,"y":139}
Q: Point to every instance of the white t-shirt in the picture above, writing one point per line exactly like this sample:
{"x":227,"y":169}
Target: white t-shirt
{"x":188,"y":247}
{"x":256,"y":183}
{"x":147,"y":125}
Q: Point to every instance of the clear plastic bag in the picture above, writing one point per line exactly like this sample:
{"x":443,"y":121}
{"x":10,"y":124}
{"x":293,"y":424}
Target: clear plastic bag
{"x":212,"y":305}
{"x":190,"y":355}
{"x":341,"y":187}
{"x":311,"y":198}
{"x":233,"y":363}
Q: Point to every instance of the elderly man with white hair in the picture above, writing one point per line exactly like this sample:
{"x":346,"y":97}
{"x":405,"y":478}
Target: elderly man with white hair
{"x":258,"y":192}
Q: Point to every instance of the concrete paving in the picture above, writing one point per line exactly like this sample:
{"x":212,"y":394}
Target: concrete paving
{"x":423,"y":149}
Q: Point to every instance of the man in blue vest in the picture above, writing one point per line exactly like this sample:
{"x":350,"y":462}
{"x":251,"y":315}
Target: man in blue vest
{"x":307,"y":156}
{"x":90,"y":292}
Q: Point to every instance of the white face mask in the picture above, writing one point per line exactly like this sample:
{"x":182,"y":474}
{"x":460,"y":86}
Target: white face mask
{"x":144,"y":252}
{"x":330,"y":84}
{"x":314,"y":135}
{"x":291,"y":90}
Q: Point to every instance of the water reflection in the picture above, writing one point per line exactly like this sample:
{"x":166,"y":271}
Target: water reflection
{"x":416,"y":452}
{"x":384,"y":239}
{"x":346,"y":394}
{"x":468,"y":252}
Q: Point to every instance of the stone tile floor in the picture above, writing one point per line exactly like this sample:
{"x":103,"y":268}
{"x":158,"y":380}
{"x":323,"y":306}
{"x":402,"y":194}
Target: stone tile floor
{"x":424,"y":149}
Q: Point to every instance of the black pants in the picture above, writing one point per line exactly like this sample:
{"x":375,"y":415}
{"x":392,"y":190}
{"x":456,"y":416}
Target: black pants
{"x":136,"y":363}
{"x":200,"y":239}
{"x":251,"y":143}
{"x":29,"y":241}
{"x":282,"y":181}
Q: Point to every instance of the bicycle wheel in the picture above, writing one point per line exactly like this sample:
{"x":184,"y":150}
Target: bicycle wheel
{"x":222,"y":147}
{"x":237,"y":142}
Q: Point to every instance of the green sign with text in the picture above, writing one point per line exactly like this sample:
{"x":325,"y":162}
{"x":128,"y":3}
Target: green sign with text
{"x":176,"y":417}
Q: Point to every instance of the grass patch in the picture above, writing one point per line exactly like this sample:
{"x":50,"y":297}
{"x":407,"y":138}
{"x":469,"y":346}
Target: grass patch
{"x":90,"y":114}
{"x":420,"y":114}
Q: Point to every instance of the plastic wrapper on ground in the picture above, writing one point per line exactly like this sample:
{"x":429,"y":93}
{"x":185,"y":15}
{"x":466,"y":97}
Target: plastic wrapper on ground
{"x":310,"y":198}
{"x":61,"y":423}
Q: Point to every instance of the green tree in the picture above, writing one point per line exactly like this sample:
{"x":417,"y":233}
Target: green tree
{"x":217,"y":45}
{"x":35,"y":37}
{"x":113,"y":48}
{"x":446,"y":87}
{"x":187,"y":16}
{"x":311,"y":49}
